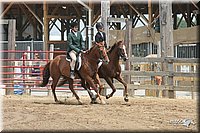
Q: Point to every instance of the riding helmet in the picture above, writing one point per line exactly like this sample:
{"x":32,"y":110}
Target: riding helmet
{"x":99,"y":25}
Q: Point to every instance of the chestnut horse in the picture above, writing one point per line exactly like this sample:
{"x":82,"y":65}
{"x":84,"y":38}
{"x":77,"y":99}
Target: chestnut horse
{"x":60,"y":67}
{"x":112,"y":70}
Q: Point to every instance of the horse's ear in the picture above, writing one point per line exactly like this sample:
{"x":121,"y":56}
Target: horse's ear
{"x":120,"y":41}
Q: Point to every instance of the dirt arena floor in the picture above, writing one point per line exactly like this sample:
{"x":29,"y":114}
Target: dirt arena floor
{"x":41,"y":113}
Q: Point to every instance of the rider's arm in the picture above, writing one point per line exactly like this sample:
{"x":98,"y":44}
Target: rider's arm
{"x":82,"y":43}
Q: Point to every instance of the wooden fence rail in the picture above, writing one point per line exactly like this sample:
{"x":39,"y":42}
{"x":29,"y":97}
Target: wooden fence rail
{"x":191,"y":76}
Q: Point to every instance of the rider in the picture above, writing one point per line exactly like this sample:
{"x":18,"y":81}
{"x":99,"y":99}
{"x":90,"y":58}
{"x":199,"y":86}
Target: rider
{"x":100,"y":37}
{"x":75,"y":46}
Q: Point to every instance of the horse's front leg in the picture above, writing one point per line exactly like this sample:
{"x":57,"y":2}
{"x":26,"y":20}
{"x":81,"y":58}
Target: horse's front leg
{"x":71,"y":87}
{"x":97,"y":80}
{"x":53,"y":87}
{"x":109,"y":81}
{"x":119,"y":78}
{"x":87,"y":87}
{"x":89,"y":80}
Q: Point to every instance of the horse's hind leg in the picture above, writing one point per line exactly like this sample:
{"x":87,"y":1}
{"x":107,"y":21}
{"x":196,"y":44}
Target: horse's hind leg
{"x":53,"y":87}
{"x":89,"y":80}
{"x":119,"y":78}
{"x":71,"y":87}
{"x":97,"y":80}
{"x":109,"y":81}
{"x":61,"y":82}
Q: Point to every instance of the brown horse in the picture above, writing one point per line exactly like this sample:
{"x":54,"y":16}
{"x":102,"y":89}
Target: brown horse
{"x":60,"y":67}
{"x":112,"y":69}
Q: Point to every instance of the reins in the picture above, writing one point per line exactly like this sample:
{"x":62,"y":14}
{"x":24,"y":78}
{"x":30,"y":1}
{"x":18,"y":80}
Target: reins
{"x":85,"y":56}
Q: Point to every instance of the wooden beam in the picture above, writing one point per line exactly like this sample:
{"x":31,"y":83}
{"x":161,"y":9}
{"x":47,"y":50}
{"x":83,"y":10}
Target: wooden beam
{"x":194,"y":4}
{"x":28,"y":19}
{"x":141,"y":15}
{"x":179,"y":21}
{"x":127,"y":41}
{"x":55,"y":9}
{"x":116,"y":20}
{"x":51,"y":23}
{"x":77,"y":11}
{"x":188,"y":16}
{"x":46,"y":26}
{"x":54,"y":23}
{"x":105,"y":12}
{"x":6,"y":10}
{"x":11,"y":46}
{"x":59,"y":16}
{"x":38,"y":19}
{"x":96,"y":18}
{"x":149,"y":13}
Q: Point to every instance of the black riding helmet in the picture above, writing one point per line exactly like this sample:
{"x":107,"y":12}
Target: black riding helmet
{"x":99,"y":25}
{"x":73,"y":24}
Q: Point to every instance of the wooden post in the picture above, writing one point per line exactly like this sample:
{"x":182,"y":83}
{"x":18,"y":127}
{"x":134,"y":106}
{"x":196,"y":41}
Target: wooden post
{"x":46,"y":31}
{"x":166,"y":37}
{"x":105,"y":13}
{"x":127,"y":41}
{"x":11,"y":46}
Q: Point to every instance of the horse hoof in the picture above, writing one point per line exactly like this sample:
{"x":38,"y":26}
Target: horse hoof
{"x":103,"y":102}
{"x":80,"y":102}
{"x":126,"y":99}
{"x":107,"y":96}
{"x":58,"y":101}
{"x":94,"y":102}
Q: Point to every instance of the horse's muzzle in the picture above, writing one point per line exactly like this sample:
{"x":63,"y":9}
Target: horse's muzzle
{"x":106,"y":61}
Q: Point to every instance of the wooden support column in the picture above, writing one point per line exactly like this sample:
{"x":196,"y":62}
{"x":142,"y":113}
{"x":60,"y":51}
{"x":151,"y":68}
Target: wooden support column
{"x":105,"y":13}
{"x":127,"y":41}
{"x":149,"y":13}
{"x":198,"y":14}
{"x":175,"y":21}
{"x":91,"y":5}
{"x":11,"y":46}
{"x":188,"y":16}
{"x":35,"y":24}
{"x":19,"y":24}
{"x":45,"y":29}
{"x":167,"y":48}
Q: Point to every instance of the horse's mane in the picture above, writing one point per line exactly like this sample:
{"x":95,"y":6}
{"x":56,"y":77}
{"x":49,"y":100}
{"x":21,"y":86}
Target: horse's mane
{"x":113,"y":47}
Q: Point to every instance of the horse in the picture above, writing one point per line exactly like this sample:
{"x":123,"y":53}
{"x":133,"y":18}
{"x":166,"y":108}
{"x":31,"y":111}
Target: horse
{"x":112,"y":69}
{"x":59,"y":66}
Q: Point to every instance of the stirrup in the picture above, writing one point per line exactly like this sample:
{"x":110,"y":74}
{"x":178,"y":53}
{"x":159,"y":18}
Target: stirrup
{"x":67,"y":59}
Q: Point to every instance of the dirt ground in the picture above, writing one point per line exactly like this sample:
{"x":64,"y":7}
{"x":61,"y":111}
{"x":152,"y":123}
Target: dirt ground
{"x":41,"y":113}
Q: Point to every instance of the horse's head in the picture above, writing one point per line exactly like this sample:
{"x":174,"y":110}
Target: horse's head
{"x":102,"y":51}
{"x":122,"y":50}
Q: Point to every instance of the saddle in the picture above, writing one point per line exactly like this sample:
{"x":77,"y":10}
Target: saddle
{"x":78,"y":61}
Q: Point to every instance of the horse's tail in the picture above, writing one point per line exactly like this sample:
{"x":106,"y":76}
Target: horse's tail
{"x":46,"y":75}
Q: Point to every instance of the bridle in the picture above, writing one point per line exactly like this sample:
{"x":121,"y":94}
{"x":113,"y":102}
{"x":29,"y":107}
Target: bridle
{"x":122,"y":51}
{"x":100,"y":50}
